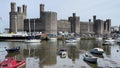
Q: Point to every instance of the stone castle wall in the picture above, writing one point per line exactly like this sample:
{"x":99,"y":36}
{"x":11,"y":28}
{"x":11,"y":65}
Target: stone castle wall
{"x":48,"y":23}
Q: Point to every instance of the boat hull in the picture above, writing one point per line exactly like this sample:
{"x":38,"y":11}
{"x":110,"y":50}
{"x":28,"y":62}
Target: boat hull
{"x":33,"y":41}
{"x":91,"y":60}
{"x":95,"y":51}
{"x":16,"y":38}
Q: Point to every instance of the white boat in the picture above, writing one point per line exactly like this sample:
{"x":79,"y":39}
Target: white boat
{"x":71,"y":40}
{"x":99,"y":38}
{"x":62,"y":52}
{"x":108,"y":43}
{"x":53,"y":39}
{"x":109,"y":40}
{"x":33,"y":41}
{"x":78,"y":39}
{"x":90,"y":58}
{"x":98,"y":51}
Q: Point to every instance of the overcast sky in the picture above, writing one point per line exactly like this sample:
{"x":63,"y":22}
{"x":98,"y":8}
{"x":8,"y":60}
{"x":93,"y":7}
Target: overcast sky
{"x":103,"y":9}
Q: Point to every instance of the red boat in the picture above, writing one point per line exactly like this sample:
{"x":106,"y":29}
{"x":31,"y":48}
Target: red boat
{"x":10,"y":62}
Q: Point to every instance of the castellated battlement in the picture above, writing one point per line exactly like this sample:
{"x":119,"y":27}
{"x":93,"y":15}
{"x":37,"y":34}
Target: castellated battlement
{"x":19,"y":9}
{"x":17,"y":17}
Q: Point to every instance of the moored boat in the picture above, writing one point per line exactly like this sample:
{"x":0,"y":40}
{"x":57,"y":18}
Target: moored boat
{"x":53,"y":39}
{"x":13,"y":36}
{"x":13,"y":49}
{"x":71,"y":40}
{"x":98,"y":51}
{"x":90,"y":58}
{"x":62,"y":52}
{"x":11,"y":62}
{"x":33,"y":41}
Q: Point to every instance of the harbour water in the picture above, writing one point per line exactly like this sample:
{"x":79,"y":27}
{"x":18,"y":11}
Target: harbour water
{"x":44,"y":54}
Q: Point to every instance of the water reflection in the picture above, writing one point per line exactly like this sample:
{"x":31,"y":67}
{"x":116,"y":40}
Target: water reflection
{"x":45,"y":54}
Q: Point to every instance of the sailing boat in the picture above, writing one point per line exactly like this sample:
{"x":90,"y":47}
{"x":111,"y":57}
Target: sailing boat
{"x":32,"y":39}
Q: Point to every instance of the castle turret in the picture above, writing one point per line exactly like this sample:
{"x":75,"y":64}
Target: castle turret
{"x":41,"y":9}
{"x":89,"y":20}
{"x":19,"y":9}
{"x":13,"y":7}
{"x":94,"y":18}
{"x":17,"y":18}
{"x":108,"y":21}
{"x":25,"y":9}
{"x":75,"y":23}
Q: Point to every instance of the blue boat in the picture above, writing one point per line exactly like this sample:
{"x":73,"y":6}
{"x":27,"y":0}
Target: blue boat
{"x":13,"y":49}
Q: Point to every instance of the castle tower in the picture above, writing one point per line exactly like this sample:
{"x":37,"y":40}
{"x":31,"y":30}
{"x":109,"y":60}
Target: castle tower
{"x":75,"y":23}
{"x":19,"y":9}
{"x":89,"y":26}
{"x":108,"y":21}
{"x":13,"y":17}
{"x":99,"y":26}
{"x":25,"y":9}
{"x":94,"y":18}
{"x":16,"y":18}
{"x":41,"y":9}
{"x":13,"y":7}
{"x":94,"y":24}
{"x":50,"y":21}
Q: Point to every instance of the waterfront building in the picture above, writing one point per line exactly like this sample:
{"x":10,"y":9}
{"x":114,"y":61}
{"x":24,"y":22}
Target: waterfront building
{"x":47,"y":23}
{"x":17,"y":17}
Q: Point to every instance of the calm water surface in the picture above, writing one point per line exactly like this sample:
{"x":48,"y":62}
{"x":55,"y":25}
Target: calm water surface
{"x":45,"y":55}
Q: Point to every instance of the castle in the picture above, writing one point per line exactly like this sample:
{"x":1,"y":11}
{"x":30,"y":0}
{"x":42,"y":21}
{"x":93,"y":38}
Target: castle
{"x":48,"y":23}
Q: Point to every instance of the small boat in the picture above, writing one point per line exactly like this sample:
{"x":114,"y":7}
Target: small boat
{"x":99,"y":38}
{"x":53,"y":39}
{"x":62,"y":52}
{"x":13,"y":49}
{"x":98,"y":51}
{"x":109,"y":40}
{"x":108,"y":43}
{"x":71,"y":40}
{"x":90,"y":58}
{"x":10,"y":62}
{"x":33,"y":41}
{"x":78,"y":38}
